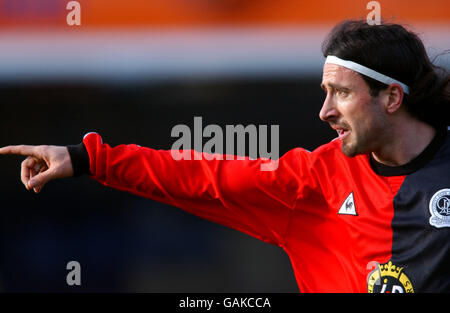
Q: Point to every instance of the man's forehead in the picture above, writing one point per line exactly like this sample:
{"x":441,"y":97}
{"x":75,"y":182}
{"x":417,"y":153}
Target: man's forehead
{"x":340,"y":77}
{"x":334,"y":71}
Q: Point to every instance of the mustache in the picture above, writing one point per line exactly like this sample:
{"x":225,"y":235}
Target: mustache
{"x":340,"y":124}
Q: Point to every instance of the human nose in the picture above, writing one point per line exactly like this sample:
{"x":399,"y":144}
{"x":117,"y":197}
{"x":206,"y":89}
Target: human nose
{"x":328,"y":110}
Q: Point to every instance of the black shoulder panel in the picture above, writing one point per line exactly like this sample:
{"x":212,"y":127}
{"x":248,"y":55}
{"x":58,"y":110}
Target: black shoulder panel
{"x":421,"y":226}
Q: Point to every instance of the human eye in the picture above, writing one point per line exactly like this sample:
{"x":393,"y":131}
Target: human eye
{"x":342,"y":93}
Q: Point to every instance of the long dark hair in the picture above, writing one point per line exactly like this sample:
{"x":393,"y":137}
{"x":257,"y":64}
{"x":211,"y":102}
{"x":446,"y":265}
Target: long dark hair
{"x":396,"y":52}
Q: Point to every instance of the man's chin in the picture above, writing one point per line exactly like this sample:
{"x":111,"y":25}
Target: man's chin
{"x":349,"y":150}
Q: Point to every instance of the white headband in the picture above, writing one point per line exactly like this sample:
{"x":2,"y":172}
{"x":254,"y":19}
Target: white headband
{"x":366,"y":71}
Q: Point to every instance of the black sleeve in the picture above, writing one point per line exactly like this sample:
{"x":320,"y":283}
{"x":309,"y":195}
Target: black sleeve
{"x":80,"y":159}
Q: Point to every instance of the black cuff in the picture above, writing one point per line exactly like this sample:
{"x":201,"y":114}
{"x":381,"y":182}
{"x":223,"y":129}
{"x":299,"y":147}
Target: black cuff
{"x":80,"y":159}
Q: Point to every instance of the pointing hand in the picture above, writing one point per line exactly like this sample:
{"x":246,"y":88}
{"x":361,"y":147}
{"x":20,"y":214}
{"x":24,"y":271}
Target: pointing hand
{"x":43,"y":164}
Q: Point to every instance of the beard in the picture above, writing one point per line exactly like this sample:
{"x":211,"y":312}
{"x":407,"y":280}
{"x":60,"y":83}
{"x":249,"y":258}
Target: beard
{"x":364,"y":138}
{"x":349,"y":150}
{"x":366,"y":130}
{"x":351,"y":146}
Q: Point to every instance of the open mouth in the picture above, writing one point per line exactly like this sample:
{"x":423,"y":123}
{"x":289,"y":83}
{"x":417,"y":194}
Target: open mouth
{"x":342,"y":133}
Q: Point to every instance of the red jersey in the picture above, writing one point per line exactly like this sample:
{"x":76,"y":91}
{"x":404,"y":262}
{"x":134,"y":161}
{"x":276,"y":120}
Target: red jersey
{"x":347,"y":224}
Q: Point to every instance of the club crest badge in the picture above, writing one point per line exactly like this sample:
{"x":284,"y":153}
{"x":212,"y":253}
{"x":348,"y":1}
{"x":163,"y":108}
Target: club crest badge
{"x":389,"y":278}
{"x":440,"y":209}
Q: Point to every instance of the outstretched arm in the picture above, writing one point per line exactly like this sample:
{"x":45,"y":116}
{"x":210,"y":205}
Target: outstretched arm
{"x":43,"y":164}
{"x":234,"y":193}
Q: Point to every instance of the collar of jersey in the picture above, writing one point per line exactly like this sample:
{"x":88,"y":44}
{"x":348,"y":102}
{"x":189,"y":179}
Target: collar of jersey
{"x":415,"y":164}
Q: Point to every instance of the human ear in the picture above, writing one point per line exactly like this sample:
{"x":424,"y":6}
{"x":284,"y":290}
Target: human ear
{"x":393,"y":98}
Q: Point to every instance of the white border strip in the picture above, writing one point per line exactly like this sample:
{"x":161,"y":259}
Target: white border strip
{"x":366,"y":71}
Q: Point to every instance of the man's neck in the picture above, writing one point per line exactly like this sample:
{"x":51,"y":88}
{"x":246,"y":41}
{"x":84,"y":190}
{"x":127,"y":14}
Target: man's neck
{"x":407,"y":141}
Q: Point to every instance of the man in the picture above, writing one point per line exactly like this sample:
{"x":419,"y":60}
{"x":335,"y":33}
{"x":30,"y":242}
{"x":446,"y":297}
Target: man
{"x":369,"y":211}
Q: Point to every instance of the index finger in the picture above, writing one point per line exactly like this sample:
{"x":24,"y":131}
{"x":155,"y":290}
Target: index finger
{"x":21,"y":150}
